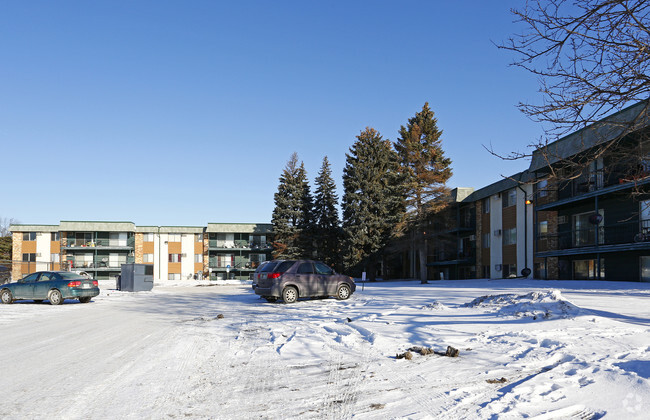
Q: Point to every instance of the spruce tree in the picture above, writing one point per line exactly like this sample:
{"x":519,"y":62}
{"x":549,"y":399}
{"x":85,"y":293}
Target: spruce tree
{"x":326,"y":217}
{"x":287,"y":214}
{"x":426,"y":171}
{"x":306,"y":228}
{"x":373,"y":200}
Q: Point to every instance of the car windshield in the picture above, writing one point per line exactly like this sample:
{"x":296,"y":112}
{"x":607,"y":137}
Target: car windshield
{"x":71,"y":276}
{"x":283,"y":266}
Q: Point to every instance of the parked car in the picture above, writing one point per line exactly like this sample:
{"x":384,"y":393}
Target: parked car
{"x":265,"y":265}
{"x":293,"y":279}
{"x":55,"y":286}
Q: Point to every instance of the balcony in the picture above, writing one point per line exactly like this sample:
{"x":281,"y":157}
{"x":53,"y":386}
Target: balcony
{"x":73,"y":243}
{"x":100,"y":263}
{"x":624,"y":236}
{"x":218,"y":244}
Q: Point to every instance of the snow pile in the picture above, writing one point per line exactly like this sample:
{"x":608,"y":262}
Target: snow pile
{"x":543,"y":304}
{"x":434,"y":306}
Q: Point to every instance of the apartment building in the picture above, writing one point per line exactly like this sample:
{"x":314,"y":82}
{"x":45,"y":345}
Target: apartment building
{"x":593,"y":223}
{"x":580,"y":211}
{"x":216,"y":251}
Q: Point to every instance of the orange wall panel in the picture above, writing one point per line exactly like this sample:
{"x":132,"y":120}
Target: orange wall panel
{"x":147,"y":247}
{"x":174,"y":248}
{"x":29,"y":247}
{"x":174,"y":268}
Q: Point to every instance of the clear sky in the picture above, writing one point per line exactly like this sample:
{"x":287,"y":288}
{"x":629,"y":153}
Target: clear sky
{"x":186,"y":112}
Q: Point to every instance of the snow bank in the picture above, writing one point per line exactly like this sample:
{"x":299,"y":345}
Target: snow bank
{"x":538,"y":305}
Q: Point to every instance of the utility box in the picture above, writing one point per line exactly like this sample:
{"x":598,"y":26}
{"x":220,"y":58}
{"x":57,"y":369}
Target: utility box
{"x":136,"y":278}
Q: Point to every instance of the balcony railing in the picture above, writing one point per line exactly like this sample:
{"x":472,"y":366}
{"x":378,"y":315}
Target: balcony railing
{"x":101,"y":263}
{"x":100,"y":243}
{"x":238,"y":244}
{"x":613,"y":234}
{"x":233,"y":265}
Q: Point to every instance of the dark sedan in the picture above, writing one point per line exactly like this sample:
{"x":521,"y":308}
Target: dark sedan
{"x":55,"y":286}
{"x":293,"y":279}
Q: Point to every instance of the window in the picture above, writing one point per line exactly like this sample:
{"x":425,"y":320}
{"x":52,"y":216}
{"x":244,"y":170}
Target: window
{"x":198,"y":258}
{"x":510,"y":198}
{"x":542,"y":188}
{"x":645,"y":268}
{"x":323,"y":269}
{"x":486,"y":205}
{"x":32,"y":277}
{"x":485,"y":240}
{"x":55,"y":258}
{"x":486,"y":271}
{"x":584,"y":231}
{"x":148,"y":237}
{"x":148,"y":258}
{"x":54,"y":236}
{"x":306,"y":268}
{"x":198,"y":237}
{"x":29,"y":236}
{"x":510,"y":236}
{"x":29,"y":257}
{"x":174,"y":237}
{"x":644,"y":215}
{"x":174,"y":276}
{"x":588,"y":269}
{"x":174,"y":258}
{"x":543,"y":228}
{"x":509,"y":271}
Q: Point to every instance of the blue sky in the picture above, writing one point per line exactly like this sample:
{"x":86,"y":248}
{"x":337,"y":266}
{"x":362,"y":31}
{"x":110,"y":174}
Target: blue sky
{"x":186,"y":112}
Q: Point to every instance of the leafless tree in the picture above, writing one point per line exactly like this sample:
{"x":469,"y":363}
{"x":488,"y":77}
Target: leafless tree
{"x":4,"y":225}
{"x":592,"y":59}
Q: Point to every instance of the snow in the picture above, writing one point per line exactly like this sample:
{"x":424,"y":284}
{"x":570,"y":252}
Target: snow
{"x":527,"y":349}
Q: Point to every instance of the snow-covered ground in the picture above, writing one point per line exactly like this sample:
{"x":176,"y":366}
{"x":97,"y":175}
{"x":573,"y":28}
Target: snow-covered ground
{"x":541,"y":349}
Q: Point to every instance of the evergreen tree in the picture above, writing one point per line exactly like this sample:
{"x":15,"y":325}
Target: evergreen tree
{"x":287,"y":213}
{"x":306,"y":228}
{"x":373,"y":200}
{"x":426,"y":171}
{"x":326,"y":217}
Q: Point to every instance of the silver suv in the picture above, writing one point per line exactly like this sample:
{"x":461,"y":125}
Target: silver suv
{"x":293,"y":279}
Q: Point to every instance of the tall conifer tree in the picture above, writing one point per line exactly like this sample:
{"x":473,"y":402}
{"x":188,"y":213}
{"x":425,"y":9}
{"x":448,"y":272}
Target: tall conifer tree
{"x":426,"y":171}
{"x":373,"y":200}
{"x":306,"y":228}
{"x":326,"y":217}
{"x":287,"y":214}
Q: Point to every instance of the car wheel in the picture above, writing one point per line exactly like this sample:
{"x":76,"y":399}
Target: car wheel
{"x":290,"y":294}
{"x":84,"y":299}
{"x":55,"y":297}
{"x":343,"y":292}
{"x":38,"y":300}
{"x":271,"y":299}
{"x":6,"y":297}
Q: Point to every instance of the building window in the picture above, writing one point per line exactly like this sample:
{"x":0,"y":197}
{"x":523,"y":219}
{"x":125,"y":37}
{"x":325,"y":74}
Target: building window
{"x":198,"y":258}
{"x":54,"y":236}
{"x":198,"y":237}
{"x":509,"y":271}
{"x":148,"y":237}
{"x":29,"y":257}
{"x":148,"y":258}
{"x":542,"y":188}
{"x":588,"y":269}
{"x":644,"y":216}
{"x":29,"y":236}
{"x":510,"y":236}
{"x":174,"y":237}
{"x":486,"y":271}
{"x":486,"y":240}
{"x":486,"y":205}
{"x":174,"y":276}
{"x":543,"y":228}
{"x":55,"y":258}
{"x":174,"y":258}
{"x":510,"y":198}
